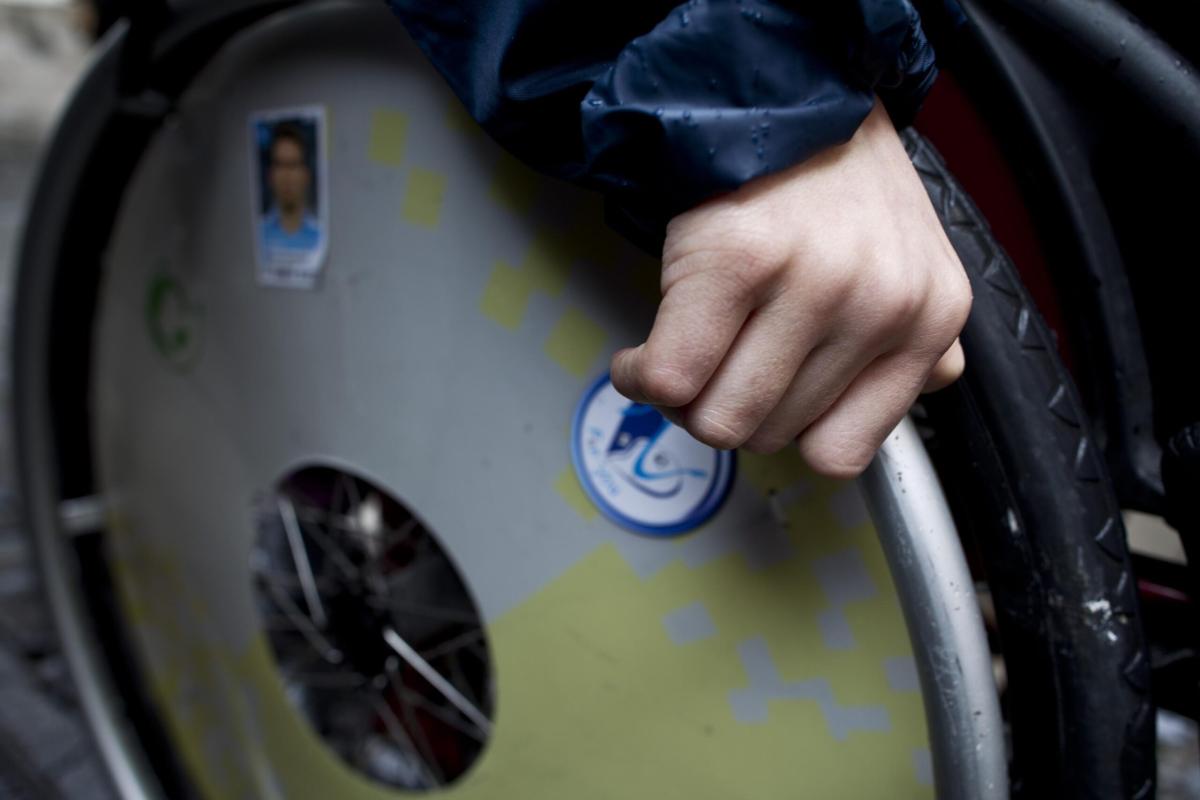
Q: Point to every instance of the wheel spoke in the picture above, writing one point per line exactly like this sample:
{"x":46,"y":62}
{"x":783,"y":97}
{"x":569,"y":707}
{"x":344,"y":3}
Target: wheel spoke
{"x":459,"y":642}
{"x":419,"y":735}
{"x":431,"y":612}
{"x":453,"y":720}
{"x":444,"y":687}
{"x":335,"y":554}
{"x":295,"y":540}
{"x":430,"y":775}
{"x":303,"y":624}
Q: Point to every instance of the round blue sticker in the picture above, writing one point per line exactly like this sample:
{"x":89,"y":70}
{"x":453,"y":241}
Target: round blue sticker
{"x":642,"y":472}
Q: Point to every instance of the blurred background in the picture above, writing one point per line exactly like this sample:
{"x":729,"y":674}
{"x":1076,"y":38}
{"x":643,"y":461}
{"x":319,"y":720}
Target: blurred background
{"x":44,"y":744}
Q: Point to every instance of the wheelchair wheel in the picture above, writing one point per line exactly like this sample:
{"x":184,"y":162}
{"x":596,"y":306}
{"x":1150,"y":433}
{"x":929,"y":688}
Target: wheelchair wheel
{"x":327,"y":540}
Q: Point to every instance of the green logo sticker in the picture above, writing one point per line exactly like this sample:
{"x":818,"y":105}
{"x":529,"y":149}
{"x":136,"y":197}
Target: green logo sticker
{"x":175,"y":323}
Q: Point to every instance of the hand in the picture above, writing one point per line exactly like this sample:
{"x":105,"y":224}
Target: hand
{"x":812,"y":305}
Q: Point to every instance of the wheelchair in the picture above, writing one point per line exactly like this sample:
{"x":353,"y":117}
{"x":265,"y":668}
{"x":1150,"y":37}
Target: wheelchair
{"x":330,"y":539}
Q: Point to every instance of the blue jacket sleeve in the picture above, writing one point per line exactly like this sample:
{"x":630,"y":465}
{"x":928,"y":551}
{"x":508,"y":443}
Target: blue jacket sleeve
{"x":662,"y":105}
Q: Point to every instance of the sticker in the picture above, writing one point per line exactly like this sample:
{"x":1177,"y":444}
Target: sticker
{"x":642,"y":472}
{"x":289,"y":183}
{"x":174,"y":321}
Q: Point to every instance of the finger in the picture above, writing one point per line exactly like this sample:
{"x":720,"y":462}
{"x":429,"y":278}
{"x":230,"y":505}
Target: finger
{"x":842,"y":442}
{"x":820,"y":381}
{"x":697,"y":320}
{"x":947,"y":370}
{"x":753,"y":376}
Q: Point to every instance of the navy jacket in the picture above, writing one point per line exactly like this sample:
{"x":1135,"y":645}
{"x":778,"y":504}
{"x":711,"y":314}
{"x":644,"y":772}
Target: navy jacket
{"x":662,"y":105}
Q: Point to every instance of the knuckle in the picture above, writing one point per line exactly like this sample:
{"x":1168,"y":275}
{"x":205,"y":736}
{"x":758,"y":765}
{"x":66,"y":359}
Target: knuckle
{"x":891,"y":301}
{"x":959,"y":304}
{"x":903,"y":301}
{"x":952,"y":295}
{"x":947,"y":315}
{"x":827,"y":290}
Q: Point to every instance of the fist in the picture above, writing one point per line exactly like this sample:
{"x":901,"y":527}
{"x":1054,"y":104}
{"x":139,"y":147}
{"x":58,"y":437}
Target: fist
{"x":810,"y":306}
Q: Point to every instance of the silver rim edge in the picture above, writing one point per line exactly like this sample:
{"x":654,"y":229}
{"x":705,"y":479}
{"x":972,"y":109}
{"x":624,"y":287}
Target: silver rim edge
{"x":944,"y":621}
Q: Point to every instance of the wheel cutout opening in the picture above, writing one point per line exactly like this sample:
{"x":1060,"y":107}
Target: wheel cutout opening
{"x":378,"y":642}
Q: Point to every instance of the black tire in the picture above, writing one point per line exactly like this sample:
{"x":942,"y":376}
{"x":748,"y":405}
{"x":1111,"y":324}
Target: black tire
{"x":1030,"y":490}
